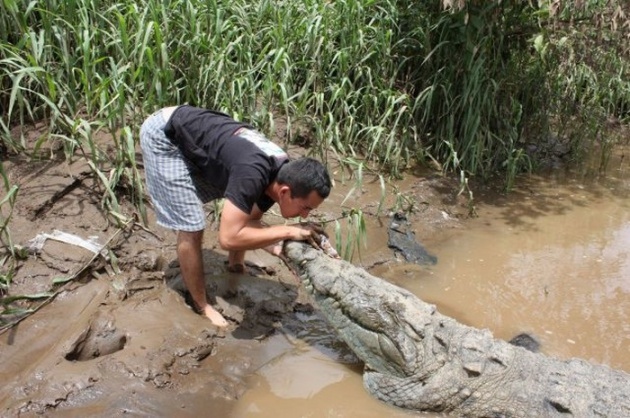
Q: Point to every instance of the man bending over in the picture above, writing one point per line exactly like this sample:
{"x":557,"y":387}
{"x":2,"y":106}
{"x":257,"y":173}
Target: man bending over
{"x":192,"y":156}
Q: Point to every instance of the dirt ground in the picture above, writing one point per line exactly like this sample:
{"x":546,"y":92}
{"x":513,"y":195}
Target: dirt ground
{"x":118,"y":336}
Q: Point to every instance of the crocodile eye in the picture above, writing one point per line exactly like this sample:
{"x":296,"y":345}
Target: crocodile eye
{"x":372,"y":318}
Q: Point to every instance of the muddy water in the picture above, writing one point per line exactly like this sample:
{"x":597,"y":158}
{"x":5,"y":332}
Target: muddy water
{"x":562,"y":274}
{"x":551,"y":259}
{"x":309,"y":379}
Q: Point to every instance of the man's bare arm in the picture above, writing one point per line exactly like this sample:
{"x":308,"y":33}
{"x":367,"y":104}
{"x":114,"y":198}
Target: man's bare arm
{"x":240,"y":231}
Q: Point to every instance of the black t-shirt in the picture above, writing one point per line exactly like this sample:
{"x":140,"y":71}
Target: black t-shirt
{"x":241,"y":167}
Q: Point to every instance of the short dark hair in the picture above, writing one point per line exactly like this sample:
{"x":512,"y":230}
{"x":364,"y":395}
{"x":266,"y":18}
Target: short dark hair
{"x":303,"y":176}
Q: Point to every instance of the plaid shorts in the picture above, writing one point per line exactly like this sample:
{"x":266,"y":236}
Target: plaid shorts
{"x":177,"y":193}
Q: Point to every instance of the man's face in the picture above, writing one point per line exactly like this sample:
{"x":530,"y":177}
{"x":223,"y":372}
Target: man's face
{"x":300,"y":206}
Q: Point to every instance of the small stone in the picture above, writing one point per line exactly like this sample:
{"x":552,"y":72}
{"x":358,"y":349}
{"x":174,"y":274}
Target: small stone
{"x":149,"y":260}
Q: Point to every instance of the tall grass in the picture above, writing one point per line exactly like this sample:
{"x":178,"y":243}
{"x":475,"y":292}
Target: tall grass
{"x":327,"y":69}
{"x":390,"y":81}
{"x":594,"y":81}
{"x":11,"y":252}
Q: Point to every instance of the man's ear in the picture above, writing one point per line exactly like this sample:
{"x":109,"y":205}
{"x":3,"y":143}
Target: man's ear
{"x":284,"y":190}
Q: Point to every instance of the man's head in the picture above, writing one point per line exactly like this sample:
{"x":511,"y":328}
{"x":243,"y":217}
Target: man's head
{"x":304,"y":184}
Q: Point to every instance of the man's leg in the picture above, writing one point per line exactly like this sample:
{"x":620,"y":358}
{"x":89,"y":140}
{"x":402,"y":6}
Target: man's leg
{"x":191,"y":265}
{"x":236,"y":264}
{"x":177,"y":206}
{"x":236,"y":261}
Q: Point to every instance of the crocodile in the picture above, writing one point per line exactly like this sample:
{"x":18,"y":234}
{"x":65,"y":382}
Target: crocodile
{"x":418,"y":359}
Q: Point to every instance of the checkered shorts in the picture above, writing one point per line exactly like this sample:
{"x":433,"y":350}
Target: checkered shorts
{"x":177,"y":193}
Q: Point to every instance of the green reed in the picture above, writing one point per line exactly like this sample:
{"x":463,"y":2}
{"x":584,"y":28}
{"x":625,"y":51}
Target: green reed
{"x":392,"y":82}
{"x":95,"y":68}
{"x":8,"y":201}
{"x":12,"y":252}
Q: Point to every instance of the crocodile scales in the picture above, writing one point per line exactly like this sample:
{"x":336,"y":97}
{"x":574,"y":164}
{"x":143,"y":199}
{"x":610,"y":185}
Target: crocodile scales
{"x":418,"y":359}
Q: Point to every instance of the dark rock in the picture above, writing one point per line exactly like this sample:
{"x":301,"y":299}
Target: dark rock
{"x":526,"y":341}
{"x":403,"y":241}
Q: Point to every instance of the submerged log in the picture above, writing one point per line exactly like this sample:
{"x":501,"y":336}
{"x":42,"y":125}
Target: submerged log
{"x":419,"y":359}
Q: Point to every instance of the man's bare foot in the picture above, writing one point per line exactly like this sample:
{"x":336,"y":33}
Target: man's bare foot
{"x":214,"y":316}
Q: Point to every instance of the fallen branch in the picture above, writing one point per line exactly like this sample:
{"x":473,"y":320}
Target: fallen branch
{"x":98,"y":251}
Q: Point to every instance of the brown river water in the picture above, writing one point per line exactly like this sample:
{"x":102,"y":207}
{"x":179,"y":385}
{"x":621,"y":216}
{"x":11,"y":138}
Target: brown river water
{"x":551,"y":259}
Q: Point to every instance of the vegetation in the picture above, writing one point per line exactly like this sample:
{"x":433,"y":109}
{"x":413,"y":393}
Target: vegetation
{"x":10,"y":253}
{"x":477,"y":87}
{"x":390,"y":81}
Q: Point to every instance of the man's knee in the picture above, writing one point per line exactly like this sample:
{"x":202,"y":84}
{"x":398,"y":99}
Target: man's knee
{"x":189,"y":238}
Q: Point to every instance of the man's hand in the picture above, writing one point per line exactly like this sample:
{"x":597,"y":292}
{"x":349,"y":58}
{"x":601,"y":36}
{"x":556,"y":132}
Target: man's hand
{"x":308,"y":231}
{"x":317,"y":228}
{"x":317,"y":237}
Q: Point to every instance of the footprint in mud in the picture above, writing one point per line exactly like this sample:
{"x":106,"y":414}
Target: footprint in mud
{"x":100,"y":338}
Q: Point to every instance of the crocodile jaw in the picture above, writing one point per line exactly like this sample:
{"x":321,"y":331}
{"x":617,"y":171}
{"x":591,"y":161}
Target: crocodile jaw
{"x":385,"y":335}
